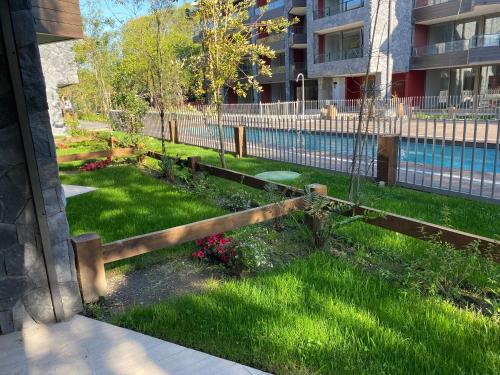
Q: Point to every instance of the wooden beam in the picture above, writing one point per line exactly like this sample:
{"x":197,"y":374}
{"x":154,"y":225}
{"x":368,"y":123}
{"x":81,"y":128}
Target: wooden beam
{"x":423,"y":230}
{"x":117,"y":152}
{"x":174,"y":236}
{"x":248,"y":180}
{"x":397,"y":223}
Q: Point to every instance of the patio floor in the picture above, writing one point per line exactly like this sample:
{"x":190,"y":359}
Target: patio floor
{"x":86,"y":346}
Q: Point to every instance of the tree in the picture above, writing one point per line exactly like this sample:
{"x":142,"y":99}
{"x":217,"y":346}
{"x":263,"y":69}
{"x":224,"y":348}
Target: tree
{"x":226,"y":35}
{"x":95,"y":56}
{"x":155,"y":47}
{"x":131,"y":107}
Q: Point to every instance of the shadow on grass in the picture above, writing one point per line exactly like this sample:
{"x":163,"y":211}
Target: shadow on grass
{"x":322,"y":315}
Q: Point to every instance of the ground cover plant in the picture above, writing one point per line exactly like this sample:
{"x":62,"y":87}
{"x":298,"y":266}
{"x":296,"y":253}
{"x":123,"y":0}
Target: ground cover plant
{"x":368,"y":301}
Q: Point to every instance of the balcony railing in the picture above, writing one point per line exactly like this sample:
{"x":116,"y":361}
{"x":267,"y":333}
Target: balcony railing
{"x":478,"y":41}
{"x":440,"y":48}
{"x":271,"y":38}
{"x":426,"y":3}
{"x":353,"y":53}
{"x":486,"y":40}
{"x":270,"y":6}
{"x":341,"y":7}
{"x":296,"y":30}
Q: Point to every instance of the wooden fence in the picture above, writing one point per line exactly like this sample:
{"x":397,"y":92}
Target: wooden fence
{"x":91,"y":255}
{"x":113,"y":151}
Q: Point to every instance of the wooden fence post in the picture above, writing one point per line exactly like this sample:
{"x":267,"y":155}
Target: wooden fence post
{"x":112,"y":143}
{"x":90,"y":266}
{"x":174,"y":136}
{"x":192,"y":164}
{"x":240,"y":141}
{"x":387,"y":158}
{"x":315,"y":224}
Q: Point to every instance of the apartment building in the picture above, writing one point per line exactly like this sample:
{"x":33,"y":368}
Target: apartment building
{"x":436,"y":48}
{"x":456,"y":47}
{"x":291,"y":54}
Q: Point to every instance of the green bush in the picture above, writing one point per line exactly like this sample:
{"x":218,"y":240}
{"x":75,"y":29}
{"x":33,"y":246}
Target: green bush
{"x":238,"y":201}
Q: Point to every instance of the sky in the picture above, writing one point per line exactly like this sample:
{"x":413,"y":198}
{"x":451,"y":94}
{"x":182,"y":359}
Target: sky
{"x":111,"y":9}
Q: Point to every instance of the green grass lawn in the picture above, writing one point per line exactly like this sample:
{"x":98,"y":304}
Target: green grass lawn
{"x":322,"y":315}
{"x":128,"y":203}
{"x":319,"y":314}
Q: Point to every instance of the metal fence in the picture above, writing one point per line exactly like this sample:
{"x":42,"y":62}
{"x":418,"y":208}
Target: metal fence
{"x":450,"y":156}
{"x":465,"y":106}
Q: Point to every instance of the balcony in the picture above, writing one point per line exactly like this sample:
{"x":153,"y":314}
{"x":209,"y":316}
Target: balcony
{"x":480,"y":49}
{"x":434,"y":11}
{"x":298,"y":7}
{"x":296,"y":68}
{"x":337,"y":7}
{"x":346,"y":54}
{"x":297,"y":37}
{"x":278,"y":75}
{"x":273,"y":9}
{"x":275,"y":41}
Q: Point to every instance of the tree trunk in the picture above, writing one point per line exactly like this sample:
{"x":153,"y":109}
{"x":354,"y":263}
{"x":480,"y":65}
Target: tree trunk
{"x":162,"y":121}
{"x":221,"y":136}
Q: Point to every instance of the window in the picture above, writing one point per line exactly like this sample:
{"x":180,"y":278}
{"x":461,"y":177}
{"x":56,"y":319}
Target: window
{"x":448,"y":32}
{"x":490,"y":79}
{"x":343,"y":45}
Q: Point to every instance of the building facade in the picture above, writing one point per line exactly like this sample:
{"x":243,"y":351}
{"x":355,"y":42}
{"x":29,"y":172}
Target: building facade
{"x":439,"y":48}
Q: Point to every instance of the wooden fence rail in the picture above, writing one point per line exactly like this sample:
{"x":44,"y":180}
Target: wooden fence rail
{"x":91,"y":255}
{"x":397,"y":223}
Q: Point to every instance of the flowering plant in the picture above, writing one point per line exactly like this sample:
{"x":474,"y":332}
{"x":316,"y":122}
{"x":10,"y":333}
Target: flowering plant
{"x":93,"y":165}
{"x":62,"y":145}
{"x":216,"y":248}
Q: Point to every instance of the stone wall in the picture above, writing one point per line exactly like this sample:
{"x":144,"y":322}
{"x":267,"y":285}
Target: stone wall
{"x":25,"y":294}
{"x":59,"y":70}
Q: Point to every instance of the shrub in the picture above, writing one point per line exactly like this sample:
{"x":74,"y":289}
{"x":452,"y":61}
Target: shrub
{"x":167,"y":168}
{"x":94,"y":165}
{"x":239,"y":201}
{"x":217,"y":249}
{"x":254,"y":248}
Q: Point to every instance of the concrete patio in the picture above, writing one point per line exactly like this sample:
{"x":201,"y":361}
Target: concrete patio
{"x":86,"y":346}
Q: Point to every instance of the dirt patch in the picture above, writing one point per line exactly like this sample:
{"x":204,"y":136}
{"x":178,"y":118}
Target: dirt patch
{"x":155,"y":283}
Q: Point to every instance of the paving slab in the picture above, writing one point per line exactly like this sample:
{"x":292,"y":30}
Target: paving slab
{"x":73,"y":190}
{"x":87,"y":346}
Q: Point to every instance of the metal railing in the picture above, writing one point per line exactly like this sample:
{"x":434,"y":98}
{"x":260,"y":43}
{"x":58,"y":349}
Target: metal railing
{"x":458,"y":157}
{"x":353,"y":53}
{"x":485,"y":40}
{"x":440,"y":48}
{"x":340,"y":7}
{"x":425,"y":3}
{"x":478,"y":41}
{"x":269,"y":6}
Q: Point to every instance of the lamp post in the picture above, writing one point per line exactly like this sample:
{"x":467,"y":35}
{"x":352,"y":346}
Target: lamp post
{"x":303,"y":99}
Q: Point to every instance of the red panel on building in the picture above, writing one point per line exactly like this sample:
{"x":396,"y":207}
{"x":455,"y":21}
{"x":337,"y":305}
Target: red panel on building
{"x":265,"y":94}
{"x":407,"y":84}
{"x":232,"y":97}
{"x":420,"y":36}
{"x":321,"y":44}
{"x":299,"y":55}
{"x":353,"y":87}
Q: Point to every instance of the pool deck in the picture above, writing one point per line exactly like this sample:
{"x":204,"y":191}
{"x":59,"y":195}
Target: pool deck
{"x":87,"y":346}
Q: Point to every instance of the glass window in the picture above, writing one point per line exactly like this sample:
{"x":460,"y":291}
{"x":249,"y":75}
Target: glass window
{"x":490,"y":79}
{"x":492,"y":25}
{"x":462,"y":81}
{"x":351,"y":44}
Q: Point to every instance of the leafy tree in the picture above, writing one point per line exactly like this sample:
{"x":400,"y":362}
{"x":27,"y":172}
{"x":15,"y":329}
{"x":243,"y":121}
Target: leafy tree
{"x":96,"y":56}
{"x":226,"y":35}
{"x":131,"y":107}
{"x":155,"y":48}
